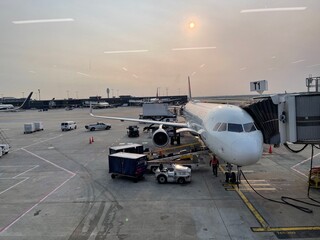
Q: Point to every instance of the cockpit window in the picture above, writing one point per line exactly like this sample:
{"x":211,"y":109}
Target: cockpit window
{"x":233,"y":127}
{"x":223,"y":127}
{"x":249,"y":127}
{"x":216,"y":126}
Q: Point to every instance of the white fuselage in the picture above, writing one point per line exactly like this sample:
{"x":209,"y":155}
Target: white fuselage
{"x":236,"y":141}
{"x":6,"y":106}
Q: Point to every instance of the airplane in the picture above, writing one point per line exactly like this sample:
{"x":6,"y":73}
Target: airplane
{"x":11,"y":108}
{"x":98,"y":104}
{"x":228,"y":131}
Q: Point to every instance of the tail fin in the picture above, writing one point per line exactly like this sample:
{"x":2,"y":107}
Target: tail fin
{"x":189,"y":86}
{"x":26,"y":101}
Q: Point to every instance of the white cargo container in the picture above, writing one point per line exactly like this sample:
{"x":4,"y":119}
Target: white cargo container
{"x":29,"y":128}
{"x":38,"y":126}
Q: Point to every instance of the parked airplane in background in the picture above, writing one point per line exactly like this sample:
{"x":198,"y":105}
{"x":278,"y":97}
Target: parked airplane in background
{"x":227,"y":130}
{"x":97,"y":104}
{"x":11,"y":108}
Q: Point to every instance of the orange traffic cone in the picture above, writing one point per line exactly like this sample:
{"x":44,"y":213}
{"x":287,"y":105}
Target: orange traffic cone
{"x":270,"y":149}
{"x":92,"y":139}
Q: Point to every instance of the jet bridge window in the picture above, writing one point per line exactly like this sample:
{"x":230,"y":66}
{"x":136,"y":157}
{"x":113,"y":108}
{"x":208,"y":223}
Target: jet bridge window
{"x":249,"y":127}
{"x":233,"y":127}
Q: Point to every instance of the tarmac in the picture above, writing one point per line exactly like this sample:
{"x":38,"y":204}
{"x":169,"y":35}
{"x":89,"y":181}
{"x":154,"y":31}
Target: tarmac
{"x":56,"y":185}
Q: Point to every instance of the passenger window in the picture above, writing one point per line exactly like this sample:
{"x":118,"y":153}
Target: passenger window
{"x":223,"y":127}
{"x":249,"y":127}
{"x":216,"y":127}
{"x":233,"y":127}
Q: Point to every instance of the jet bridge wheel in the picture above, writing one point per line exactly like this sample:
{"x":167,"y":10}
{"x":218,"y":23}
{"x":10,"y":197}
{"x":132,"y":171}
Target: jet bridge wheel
{"x":162,"y":179}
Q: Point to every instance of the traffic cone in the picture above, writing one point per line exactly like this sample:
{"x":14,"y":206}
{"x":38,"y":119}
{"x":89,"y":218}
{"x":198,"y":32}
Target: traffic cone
{"x":270,"y":149}
{"x":92,"y":139}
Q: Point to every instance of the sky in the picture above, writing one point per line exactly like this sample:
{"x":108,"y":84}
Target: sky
{"x":79,"y":48}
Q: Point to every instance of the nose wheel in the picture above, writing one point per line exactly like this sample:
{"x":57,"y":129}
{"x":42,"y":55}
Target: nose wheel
{"x":232,"y":177}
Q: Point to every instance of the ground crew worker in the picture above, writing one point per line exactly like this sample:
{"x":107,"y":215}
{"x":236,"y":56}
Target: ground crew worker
{"x":214,"y":162}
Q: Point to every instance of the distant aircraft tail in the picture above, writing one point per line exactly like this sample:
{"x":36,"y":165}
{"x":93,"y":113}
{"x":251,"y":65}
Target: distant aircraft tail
{"x":26,"y":101}
{"x":189,"y":87}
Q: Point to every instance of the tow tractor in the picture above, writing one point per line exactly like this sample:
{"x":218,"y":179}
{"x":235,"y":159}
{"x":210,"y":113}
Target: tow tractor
{"x":176,"y":173}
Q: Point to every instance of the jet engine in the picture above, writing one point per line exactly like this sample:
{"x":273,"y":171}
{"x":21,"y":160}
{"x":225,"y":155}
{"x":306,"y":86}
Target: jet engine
{"x":160,"y":137}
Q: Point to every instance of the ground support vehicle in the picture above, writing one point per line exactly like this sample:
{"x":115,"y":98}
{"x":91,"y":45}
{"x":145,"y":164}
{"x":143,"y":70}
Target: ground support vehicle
{"x":192,"y":162}
{"x":4,"y":148}
{"x":131,"y":165}
{"x":68,"y":125}
{"x":98,"y":126}
{"x":133,"y":131}
{"x":176,"y":174}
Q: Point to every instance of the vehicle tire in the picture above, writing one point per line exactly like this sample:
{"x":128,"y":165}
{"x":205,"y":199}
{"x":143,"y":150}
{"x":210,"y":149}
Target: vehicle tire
{"x":108,"y":127}
{"x":92,"y":129}
{"x":75,"y":127}
{"x":181,"y":180}
{"x":178,"y":140}
{"x":113,"y":176}
{"x":162,"y":179}
{"x":153,"y":169}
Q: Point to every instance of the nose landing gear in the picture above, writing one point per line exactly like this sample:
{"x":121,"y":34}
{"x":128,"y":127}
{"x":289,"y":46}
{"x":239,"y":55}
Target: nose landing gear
{"x":232,"y":177}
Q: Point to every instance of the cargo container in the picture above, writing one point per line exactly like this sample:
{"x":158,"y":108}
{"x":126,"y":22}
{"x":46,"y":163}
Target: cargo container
{"x":129,"y":148}
{"x":127,"y":164}
{"x":29,"y":128}
{"x":38,"y":126}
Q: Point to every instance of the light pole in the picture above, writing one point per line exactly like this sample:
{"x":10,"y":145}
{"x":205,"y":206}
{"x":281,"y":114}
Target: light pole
{"x":67,"y":94}
{"x":39,"y":94}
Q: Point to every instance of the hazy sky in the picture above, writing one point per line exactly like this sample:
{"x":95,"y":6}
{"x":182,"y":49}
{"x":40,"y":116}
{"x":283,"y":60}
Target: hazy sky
{"x":135,"y":47}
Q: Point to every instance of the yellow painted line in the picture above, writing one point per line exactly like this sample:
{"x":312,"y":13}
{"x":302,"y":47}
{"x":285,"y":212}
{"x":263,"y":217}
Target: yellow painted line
{"x":265,"y":226}
{"x":253,"y":210}
{"x":285,"y":229}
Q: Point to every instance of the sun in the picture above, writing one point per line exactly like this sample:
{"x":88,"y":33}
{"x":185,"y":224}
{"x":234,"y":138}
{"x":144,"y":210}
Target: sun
{"x":192,"y":25}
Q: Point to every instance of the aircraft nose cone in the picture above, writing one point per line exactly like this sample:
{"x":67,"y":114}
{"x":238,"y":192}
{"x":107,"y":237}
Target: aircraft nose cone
{"x":246,"y":151}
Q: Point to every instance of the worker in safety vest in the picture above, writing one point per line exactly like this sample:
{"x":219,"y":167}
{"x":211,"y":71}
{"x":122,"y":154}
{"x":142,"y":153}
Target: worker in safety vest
{"x":214,"y":162}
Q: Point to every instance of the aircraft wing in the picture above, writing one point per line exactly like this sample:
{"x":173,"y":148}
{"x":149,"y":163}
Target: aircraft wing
{"x":179,"y":125}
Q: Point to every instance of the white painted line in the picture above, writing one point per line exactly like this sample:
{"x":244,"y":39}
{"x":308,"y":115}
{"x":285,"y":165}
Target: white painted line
{"x":40,"y":201}
{"x":13,"y":166}
{"x":258,"y":180}
{"x":62,"y":168}
{"x":14,"y":185}
{"x":260,"y":189}
{"x":302,"y":162}
{"x":256,"y":184}
{"x":37,"y":143}
{"x":26,"y":171}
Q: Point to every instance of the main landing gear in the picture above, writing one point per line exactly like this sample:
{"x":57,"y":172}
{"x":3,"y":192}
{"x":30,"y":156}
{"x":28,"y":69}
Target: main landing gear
{"x":232,"y":177}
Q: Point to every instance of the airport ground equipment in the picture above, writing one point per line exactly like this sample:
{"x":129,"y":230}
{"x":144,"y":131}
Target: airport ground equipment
{"x":129,"y":148}
{"x":29,"y":128}
{"x":131,"y":165}
{"x":38,"y":126}
{"x":68,"y":125}
{"x":176,"y":174}
{"x":4,"y":148}
{"x":133,"y":131}
{"x":97,"y":126}
{"x":187,"y":160}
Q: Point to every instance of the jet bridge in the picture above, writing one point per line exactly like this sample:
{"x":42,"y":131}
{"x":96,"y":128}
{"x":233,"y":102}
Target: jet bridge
{"x":288,"y":118}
